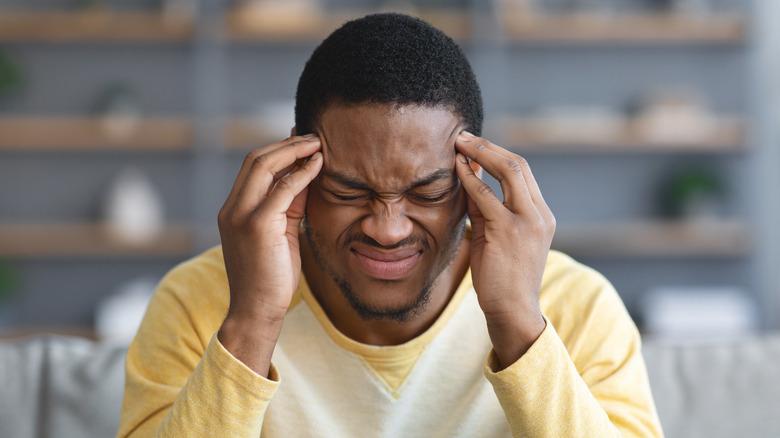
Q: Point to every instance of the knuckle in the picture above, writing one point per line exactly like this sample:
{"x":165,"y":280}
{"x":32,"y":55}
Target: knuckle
{"x":513,"y":166}
{"x":260,"y":160}
{"x":484,"y":190}
{"x":222,"y":216}
{"x":286,"y":182}
{"x":250,"y":157}
{"x":480,"y":146}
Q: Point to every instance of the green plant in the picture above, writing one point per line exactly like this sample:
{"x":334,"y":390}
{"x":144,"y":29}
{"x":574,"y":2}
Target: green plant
{"x":9,"y":280}
{"x":11,"y":74}
{"x":91,"y":4}
{"x":691,"y":186}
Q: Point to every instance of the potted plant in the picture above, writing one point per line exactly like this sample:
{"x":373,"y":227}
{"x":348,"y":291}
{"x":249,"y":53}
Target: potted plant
{"x":11,"y":75}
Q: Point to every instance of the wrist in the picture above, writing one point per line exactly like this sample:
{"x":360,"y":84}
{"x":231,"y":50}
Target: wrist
{"x":513,"y":337}
{"x":251,"y":341}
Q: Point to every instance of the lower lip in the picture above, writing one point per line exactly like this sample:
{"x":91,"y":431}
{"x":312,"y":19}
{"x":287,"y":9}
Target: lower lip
{"x":387,"y":270}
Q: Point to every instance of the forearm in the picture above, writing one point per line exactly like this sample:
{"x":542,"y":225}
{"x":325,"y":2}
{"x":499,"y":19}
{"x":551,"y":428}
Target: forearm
{"x":543,"y":395}
{"x":221,"y":396}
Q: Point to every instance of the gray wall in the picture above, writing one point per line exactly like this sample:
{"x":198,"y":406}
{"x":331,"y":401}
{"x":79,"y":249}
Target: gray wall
{"x":207,"y":78}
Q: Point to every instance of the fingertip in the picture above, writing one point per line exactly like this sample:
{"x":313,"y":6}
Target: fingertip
{"x":476,"y":168}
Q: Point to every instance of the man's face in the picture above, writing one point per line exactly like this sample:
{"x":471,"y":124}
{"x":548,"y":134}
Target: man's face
{"x":386,"y":214}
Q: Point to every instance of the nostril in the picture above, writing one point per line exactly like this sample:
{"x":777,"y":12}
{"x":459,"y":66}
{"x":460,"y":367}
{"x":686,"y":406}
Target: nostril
{"x":387,"y":230}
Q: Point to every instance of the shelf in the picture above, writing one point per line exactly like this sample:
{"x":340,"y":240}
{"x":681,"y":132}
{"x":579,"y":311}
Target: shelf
{"x":277,"y":25}
{"x":527,"y":135}
{"x":93,"y":133}
{"x":244,"y":134}
{"x":633,"y":29}
{"x":64,"y":27}
{"x":15,"y":334}
{"x":716,"y":239}
{"x":23,"y":241}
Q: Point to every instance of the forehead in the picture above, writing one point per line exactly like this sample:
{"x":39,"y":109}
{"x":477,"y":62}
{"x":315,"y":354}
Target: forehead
{"x":389,"y":143}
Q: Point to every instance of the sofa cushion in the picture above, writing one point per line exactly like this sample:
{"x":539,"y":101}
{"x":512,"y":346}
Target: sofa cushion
{"x":718,"y":389}
{"x":54,"y":386}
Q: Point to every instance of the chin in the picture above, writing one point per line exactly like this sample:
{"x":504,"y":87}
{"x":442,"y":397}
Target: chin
{"x":396,"y":300}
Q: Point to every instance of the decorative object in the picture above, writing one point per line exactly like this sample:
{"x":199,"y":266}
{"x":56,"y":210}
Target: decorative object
{"x":673,"y":117}
{"x":694,"y":193}
{"x":91,"y":4}
{"x":687,"y":7}
{"x":11,"y":74}
{"x":119,"y":111}
{"x":133,"y":212}
{"x":687,"y":313}
{"x":280,"y":17}
{"x":577,"y":124}
{"x":9,"y":284}
{"x":177,"y":10}
{"x":119,"y":315}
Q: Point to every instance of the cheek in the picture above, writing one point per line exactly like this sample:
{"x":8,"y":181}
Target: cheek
{"x":442,"y":221}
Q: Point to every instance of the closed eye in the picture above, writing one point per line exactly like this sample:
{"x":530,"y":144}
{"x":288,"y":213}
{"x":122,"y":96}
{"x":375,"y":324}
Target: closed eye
{"x":431,"y":199}
{"x":348,"y":197}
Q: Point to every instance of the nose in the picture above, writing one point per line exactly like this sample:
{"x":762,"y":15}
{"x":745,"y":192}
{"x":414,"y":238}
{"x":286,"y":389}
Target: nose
{"x":388,"y":223}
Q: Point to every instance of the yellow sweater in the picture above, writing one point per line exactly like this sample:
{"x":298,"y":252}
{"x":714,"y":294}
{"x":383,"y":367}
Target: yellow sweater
{"x":584,"y":377}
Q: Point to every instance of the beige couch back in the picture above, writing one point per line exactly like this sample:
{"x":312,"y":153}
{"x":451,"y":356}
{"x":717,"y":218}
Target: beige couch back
{"x":69,"y":387}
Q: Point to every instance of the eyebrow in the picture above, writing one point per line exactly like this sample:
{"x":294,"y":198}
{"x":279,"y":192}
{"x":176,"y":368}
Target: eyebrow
{"x":342,"y":178}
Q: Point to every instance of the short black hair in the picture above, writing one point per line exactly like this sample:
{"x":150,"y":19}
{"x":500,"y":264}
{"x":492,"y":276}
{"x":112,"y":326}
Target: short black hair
{"x":388,"y":58}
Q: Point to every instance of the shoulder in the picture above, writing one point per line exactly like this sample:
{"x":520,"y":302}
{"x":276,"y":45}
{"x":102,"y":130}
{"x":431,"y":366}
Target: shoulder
{"x":194,"y":293}
{"x":567,"y":280}
{"x":208,"y":267}
{"x":583,"y":306}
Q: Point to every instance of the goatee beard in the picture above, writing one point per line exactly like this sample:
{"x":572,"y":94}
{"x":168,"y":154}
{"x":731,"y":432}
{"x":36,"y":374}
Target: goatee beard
{"x":364,"y":310}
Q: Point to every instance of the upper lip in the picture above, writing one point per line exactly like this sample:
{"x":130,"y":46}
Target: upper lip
{"x":385,"y":255}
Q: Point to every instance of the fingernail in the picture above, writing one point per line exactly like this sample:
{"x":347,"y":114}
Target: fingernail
{"x":316,"y":156}
{"x":310,"y":135}
{"x":462,"y":159}
{"x":463,"y":137}
{"x":467,"y":133}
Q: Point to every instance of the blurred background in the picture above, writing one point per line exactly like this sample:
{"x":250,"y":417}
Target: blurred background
{"x":651,"y":126}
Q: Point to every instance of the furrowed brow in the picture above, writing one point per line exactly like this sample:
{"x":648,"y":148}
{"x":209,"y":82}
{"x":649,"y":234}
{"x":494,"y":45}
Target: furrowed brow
{"x":433,"y":177}
{"x":348,"y":181}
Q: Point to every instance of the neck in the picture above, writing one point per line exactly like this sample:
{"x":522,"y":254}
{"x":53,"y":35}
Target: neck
{"x":382,"y":331}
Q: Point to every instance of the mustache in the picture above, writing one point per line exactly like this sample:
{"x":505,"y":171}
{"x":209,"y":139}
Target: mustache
{"x":411,"y":240}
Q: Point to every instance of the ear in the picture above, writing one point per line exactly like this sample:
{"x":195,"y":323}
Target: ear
{"x":293,"y":132}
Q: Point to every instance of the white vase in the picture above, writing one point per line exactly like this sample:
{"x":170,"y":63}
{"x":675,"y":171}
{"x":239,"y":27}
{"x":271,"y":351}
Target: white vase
{"x":133,"y":209}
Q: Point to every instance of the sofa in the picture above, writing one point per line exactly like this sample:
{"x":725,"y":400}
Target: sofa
{"x":55,"y":386}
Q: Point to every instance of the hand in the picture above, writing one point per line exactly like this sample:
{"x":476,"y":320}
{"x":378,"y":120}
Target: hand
{"x":258,"y":225}
{"x":510,"y":243}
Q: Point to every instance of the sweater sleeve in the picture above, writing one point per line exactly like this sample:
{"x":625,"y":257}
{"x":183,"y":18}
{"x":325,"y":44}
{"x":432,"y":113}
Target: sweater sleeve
{"x":585,"y":375}
{"x":180,"y":380}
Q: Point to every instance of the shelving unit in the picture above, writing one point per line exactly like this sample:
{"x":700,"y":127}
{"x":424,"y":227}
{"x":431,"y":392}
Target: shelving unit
{"x":87,"y":240}
{"x":103,"y":26}
{"x":655,"y":239}
{"x":245,"y":134}
{"x":94,"y":133}
{"x":275,"y":25}
{"x":529,"y":135}
{"x":624,"y":29}
{"x":506,"y":33}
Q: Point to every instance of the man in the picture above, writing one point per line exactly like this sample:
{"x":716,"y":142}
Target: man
{"x":351,"y":298}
